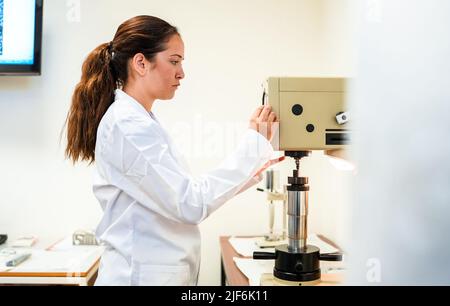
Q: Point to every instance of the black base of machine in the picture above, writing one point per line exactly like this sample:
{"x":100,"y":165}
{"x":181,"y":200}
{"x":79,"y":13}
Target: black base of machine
{"x":302,"y":266}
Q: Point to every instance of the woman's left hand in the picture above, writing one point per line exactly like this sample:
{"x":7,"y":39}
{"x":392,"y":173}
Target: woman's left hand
{"x":268,"y":164}
{"x":258,"y":177}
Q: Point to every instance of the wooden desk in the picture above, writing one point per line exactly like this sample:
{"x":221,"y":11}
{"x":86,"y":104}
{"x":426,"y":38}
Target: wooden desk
{"x":46,"y":278}
{"x":231,"y":275}
{"x":59,"y":264}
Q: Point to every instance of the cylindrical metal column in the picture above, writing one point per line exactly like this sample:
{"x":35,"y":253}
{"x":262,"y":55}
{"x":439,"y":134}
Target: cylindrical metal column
{"x":297,"y":220}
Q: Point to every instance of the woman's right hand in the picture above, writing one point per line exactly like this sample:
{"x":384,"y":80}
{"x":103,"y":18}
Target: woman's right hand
{"x":264,"y":121}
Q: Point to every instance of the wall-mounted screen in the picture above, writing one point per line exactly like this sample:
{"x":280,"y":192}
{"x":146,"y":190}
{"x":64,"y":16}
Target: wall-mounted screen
{"x":20,"y":37}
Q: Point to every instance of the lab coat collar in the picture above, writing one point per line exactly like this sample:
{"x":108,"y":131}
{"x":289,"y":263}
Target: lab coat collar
{"x":121,"y":95}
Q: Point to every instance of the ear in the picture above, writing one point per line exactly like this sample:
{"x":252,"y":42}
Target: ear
{"x":140,"y":64}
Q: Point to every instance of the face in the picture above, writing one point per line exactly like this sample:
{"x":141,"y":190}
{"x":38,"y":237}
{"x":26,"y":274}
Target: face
{"x":165,"y":71}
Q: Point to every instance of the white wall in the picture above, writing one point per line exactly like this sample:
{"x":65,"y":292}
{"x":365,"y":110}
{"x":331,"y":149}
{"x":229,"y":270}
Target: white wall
{"x":231,"y":47}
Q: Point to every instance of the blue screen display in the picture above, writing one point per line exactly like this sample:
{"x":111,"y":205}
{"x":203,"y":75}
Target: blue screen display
{"x":17,"y":31}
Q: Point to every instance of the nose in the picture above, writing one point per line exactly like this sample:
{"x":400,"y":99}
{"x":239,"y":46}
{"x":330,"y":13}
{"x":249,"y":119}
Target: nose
{"x":180,"y":74}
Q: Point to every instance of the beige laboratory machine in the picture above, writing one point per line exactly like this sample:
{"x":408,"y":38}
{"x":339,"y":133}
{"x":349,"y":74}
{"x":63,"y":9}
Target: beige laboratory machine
{"x":312,"y":115}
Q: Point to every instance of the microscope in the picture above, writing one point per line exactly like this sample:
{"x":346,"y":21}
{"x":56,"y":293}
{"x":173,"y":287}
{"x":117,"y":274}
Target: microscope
{"x":312,"y":116}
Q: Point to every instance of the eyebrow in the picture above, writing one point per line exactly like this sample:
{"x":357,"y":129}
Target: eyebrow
{"x":178,"y":56}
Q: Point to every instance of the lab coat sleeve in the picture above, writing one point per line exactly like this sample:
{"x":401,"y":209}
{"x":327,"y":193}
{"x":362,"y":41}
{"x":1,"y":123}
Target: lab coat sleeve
{"x":156,"y":180}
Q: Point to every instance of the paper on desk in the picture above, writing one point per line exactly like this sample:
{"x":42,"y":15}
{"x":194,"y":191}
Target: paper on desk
{"x":246,"y":246}
{"x":253,"y":269}
{"x":70,"y":262}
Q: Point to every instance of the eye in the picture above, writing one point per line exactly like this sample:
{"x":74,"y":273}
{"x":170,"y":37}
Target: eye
{"x":174,"y":62}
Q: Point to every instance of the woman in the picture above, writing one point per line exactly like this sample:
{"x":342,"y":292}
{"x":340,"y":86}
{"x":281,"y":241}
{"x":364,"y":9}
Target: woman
{"x":151,"y":204}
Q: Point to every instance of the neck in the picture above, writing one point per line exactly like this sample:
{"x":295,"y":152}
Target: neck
{"x":139,"y":95}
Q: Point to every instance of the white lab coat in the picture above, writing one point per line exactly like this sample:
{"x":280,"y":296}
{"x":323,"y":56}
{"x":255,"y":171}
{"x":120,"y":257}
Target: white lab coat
{"x":151,"y":204}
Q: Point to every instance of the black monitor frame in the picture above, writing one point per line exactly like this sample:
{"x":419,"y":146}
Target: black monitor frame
{"x":35,"y":68}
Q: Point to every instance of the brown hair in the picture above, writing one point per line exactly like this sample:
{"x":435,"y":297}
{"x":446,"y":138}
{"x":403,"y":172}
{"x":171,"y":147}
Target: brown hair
{"x":104,"y":70}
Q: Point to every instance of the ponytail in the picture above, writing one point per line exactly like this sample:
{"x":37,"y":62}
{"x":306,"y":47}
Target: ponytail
{"x":92,"y":97}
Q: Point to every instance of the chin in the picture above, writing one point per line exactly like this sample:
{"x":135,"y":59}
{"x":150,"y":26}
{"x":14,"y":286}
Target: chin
{"x":166,"y":98}
{"x":167,"y":94}
{"x":170,"y":97}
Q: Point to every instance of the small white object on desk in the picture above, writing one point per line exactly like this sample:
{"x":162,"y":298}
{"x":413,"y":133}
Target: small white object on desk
{"x":84,"y":237}
{"x":24,"y":242}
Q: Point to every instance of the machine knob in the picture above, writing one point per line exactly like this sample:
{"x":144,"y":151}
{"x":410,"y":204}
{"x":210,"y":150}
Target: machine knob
{"x":299,"y":267}
{"x":310,"y":128}
{"x":331,"y":257}
{"x":264,"y":255}
{"x":297,"y":109}
{"x":342,"y":117}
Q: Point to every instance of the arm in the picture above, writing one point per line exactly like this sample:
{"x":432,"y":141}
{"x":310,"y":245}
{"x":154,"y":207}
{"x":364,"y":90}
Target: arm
{"x":146,"y":170}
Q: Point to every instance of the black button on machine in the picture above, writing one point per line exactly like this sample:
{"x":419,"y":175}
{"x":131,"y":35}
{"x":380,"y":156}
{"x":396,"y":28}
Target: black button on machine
{"x":297,"y":109}
{"x":310,"y":128}
{"x":299,"y":266}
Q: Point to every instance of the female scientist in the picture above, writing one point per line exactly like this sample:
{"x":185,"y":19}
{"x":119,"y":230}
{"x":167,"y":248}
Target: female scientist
{"x":152,"y":205}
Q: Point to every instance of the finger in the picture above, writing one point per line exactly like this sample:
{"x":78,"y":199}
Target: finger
{"x":277,"y":160}
{"x":275,"y":125}
{"x":265,"y":113}
{"x":272,"y":117}
{"x":257,"y":112}
{"x":273,"y":162}
{"x":270,"y":163}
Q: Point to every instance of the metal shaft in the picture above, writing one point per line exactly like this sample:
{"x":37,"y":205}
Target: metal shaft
{"x":297,"y":220}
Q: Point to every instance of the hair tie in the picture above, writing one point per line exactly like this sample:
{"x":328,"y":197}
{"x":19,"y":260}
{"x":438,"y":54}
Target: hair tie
{"x":110,"y":50}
